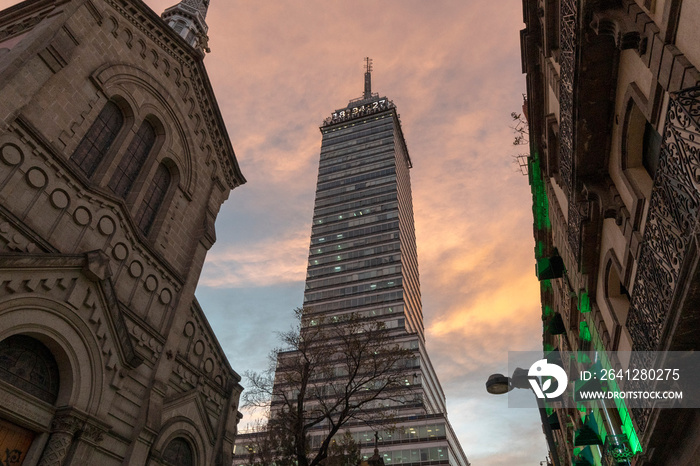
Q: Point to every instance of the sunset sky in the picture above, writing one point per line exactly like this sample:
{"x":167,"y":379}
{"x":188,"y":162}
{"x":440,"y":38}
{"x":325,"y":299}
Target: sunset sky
{"x":453,"y":69}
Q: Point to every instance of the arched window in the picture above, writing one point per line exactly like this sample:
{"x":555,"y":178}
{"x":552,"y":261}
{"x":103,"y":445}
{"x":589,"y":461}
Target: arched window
{"x":178,"y":453}
{"x":642,"y":144}
{"x":98,"y":139}
{"x":155,"y":194}
{"x":133,"y":160}
{"x":178,"y":26}
{"x":29,"y":365}
{"x":618,"y":300}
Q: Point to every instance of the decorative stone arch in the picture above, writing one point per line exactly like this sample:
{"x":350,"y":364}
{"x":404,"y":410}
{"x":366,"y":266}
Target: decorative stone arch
{"x":174,"y":428}
{"x":178,"y":452}
{"x":637,"y":112}
{"x":163,"y":149}
{"x":70,"y":341}
{"x":615,"y":295}
{"x":79,"y":401}
{"x":112,"y":79}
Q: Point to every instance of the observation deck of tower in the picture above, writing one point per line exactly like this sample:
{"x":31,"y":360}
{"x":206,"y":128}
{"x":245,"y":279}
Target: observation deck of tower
{"x":363,"y":261}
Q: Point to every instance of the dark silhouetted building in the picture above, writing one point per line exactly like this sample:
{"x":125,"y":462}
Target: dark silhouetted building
{"x":114,"y":162}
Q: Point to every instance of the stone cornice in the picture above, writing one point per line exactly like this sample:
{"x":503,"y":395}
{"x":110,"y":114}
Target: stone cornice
{"x":140,"y":16}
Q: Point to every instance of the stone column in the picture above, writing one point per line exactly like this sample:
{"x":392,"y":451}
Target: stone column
{"x":63,"y":429}
{"x":85,"y":443}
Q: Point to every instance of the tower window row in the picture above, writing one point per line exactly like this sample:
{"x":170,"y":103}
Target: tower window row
{"x":342,"y":154}
{"x":358,"y":213}
{"x":354,"y":244}
{"x":334,"y":201}
{"x":355,"y":179}
{"x":319,"y":230}
{"x":355,"y":233}
{"x":356,"y":159}
{"x":356,"y":254}
{"x":348,"y":266}
{"x":355,"y":205}
{"x":361,"y":301}
{"x":357,"y":187}
{"x":374,"y":163}
{"x":350,"y":290}
{"x":357,"y":138}
{"x":356,"y":277}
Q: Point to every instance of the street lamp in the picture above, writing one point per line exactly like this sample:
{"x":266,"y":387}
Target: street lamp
{"x":498,"y":384}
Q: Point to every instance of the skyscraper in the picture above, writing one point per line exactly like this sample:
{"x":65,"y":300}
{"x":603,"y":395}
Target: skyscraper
{"x":363,"y":262}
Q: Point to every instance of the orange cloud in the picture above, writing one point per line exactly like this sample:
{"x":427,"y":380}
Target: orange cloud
{"x":262,"y":263}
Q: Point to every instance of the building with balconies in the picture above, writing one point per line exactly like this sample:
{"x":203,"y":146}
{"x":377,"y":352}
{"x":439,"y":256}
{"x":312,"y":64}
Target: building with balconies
{"x":612,"y":106}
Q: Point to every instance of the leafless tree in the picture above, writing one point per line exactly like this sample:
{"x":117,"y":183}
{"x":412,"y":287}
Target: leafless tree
{"x":521,"y":130}
{"x":330,"y":372}
{"x":267,"y":446}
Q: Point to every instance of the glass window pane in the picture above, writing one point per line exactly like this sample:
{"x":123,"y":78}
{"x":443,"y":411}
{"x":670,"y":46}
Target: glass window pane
{"x":155,"y":194}
{"x":98,"y":139}
{"x":131,"y":163}
{"x":434,"y":454}
{"x":424,"y":454}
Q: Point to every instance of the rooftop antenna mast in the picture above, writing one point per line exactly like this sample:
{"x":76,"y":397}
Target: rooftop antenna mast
{"x":368,"y":78}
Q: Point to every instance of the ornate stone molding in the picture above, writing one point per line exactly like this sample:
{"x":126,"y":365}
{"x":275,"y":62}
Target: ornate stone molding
{"x":672,"y":220}
{"x":64,"y":427}
{"x":192,"y":69}
{"x":671,"y":223}
{"x":567,"y":60}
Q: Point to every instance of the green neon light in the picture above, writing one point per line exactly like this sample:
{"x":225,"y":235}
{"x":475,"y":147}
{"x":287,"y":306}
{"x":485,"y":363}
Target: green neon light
{"x":540,"y":211}
{"x":584,"y":302}
{"x":539,"y":249}
{"x":627,"y":426}
{"x":540,"y":205}
{"x":547,"y":311}
{"x":583,"y":358}
{"x":584,"y":332}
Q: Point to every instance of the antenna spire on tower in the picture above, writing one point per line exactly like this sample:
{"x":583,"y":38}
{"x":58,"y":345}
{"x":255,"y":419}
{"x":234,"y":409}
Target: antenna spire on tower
{"x":368,"y":78}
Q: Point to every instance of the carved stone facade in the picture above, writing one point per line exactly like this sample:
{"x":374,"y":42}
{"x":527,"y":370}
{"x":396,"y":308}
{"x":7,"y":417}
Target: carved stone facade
{"x":99,"y":260}
{"x":612,"y":104}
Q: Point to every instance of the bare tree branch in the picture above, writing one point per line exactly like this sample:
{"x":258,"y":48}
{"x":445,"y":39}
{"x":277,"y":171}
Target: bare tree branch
{"x":331,"y":371}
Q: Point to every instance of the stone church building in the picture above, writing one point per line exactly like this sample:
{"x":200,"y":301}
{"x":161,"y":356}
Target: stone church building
{"x":114,"y":163}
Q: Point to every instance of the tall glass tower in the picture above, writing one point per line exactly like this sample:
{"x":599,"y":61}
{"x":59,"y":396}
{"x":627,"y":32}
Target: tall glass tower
{"x":362,"y":260}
